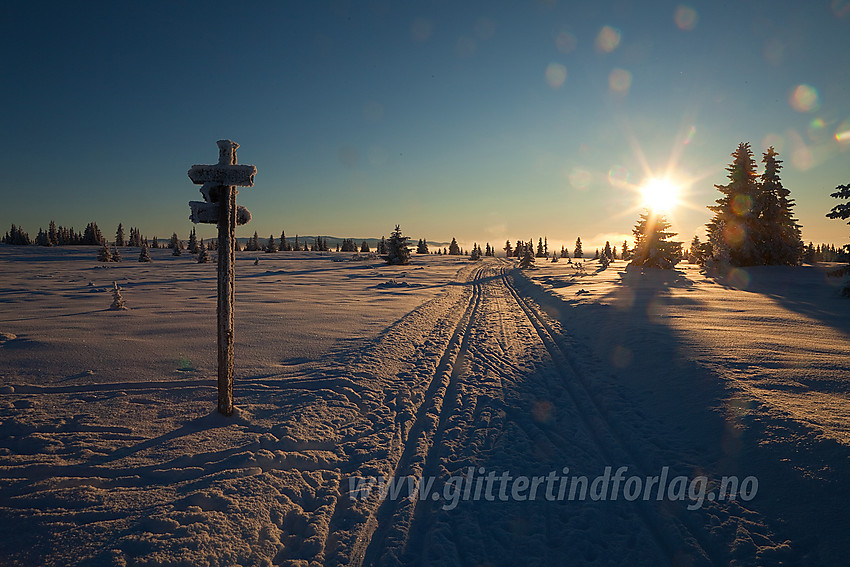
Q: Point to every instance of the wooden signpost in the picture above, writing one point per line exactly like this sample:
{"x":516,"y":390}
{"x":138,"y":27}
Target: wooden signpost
{"x":219,"y":183}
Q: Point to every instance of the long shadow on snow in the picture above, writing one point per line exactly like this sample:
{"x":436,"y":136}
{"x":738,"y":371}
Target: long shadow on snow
{"x":806,"y":290}
{"x":698,"y":421}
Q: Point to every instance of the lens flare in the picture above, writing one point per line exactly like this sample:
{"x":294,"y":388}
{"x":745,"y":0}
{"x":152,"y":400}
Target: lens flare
{"x":686,"y":18}
{"x":485,"y":28}
{"x":804,"y":98}
{"x":816,"y":129}
{"x":742,"y":204}
{"x":608,"y":39}
{"x":556,"y":74}
{"x":739,"y":278}
{"x":421,"y":30}
{"x":775,"y":140}
{"x":618,"y":175}
{"x":580,"y":178}
{"x":774,"y":50}
{"x":466,"y":47}
{"x":620,"y":81}
{"x":842,"y":133}
{"x":734,"y":233}
{"x":840,"y":8}
{"x":566,"y":42}
{"x":689,"y":137}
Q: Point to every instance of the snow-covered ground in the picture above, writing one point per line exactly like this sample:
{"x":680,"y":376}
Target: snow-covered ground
{"x":111,"y":452}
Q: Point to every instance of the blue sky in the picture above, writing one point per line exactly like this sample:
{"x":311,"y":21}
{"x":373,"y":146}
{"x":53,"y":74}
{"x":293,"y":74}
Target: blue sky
{"x":479,"y":120}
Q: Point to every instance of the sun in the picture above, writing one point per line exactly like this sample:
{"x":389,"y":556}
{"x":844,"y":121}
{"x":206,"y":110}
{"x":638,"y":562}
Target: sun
{"x":659,"y":194}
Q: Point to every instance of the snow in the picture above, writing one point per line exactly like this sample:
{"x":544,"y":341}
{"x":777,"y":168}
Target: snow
{"x":111,"y":452}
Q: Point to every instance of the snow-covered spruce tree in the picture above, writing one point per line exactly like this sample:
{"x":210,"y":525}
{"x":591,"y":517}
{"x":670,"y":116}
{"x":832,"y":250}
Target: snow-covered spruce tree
{"x":527,"y":259}
{"x":422,"y":247}
{"x":476,"y":252}
{"x":841,"y":210}
{"x":271,"y":245}
{"x":176,"y":251}
{"x":604,"y":261}
{"x":104,"y":255}
{"x":781,"y":241}
{"x":117,"y":300}
{"x":454,"y":249}
{"x":397,"y":251}
{"x":696,"y":254}
{"x":53,"y":234}
{"x":540,"y":252}
{"x":364,"y":247}
{"x":607,"y":251}
{"x":203,"y":255}
{"x":193,"y":246}
{"x":652,"y":247}
{"x":626,"y":253}
{"x":116,"y":254}
{"x":144,"y":256}
{"x":734,"y":231}
{"x":509,"y":251}
{"x":578,"y":253}
{"x":119,"y":236}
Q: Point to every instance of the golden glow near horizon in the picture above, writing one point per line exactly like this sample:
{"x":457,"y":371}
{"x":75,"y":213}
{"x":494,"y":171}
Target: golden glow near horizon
{"x":659,"y":194}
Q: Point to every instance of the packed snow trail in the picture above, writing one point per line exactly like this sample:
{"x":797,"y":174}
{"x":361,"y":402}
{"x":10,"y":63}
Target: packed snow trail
{"x":511,"y":402}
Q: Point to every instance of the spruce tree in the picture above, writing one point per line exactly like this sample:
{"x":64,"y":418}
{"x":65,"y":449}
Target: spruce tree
{"x":193,"y":242}
{"x":509,"y":251}
{"x":52,"y":234}
{"x":476,"y":252}
{"x":695,"y":252}
{"x":117,"y":299}
{"x":783,"y":243}
{"x":540,"y":252}
{"x":652,"y":247}
{"x":578,"y":251}
{"x":271,"y":245}
{"x":104,"y":255}
{"x":119,"y":236}
{"x":397,"y":251}
{"x":734,"y":231}
{"x":527,"y":259}
{"x":116,"y":254}
{"x":607,"y":251}
{"x":203,"y":255}
{"x":454,"y":249}
{"x":364,"y":247}
{"x":842,"y":211}
{"x":143,"y":255}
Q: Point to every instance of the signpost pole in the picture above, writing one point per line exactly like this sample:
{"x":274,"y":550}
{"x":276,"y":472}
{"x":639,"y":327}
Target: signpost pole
{"x":219,"y":189}
{"x":226,"y":246}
